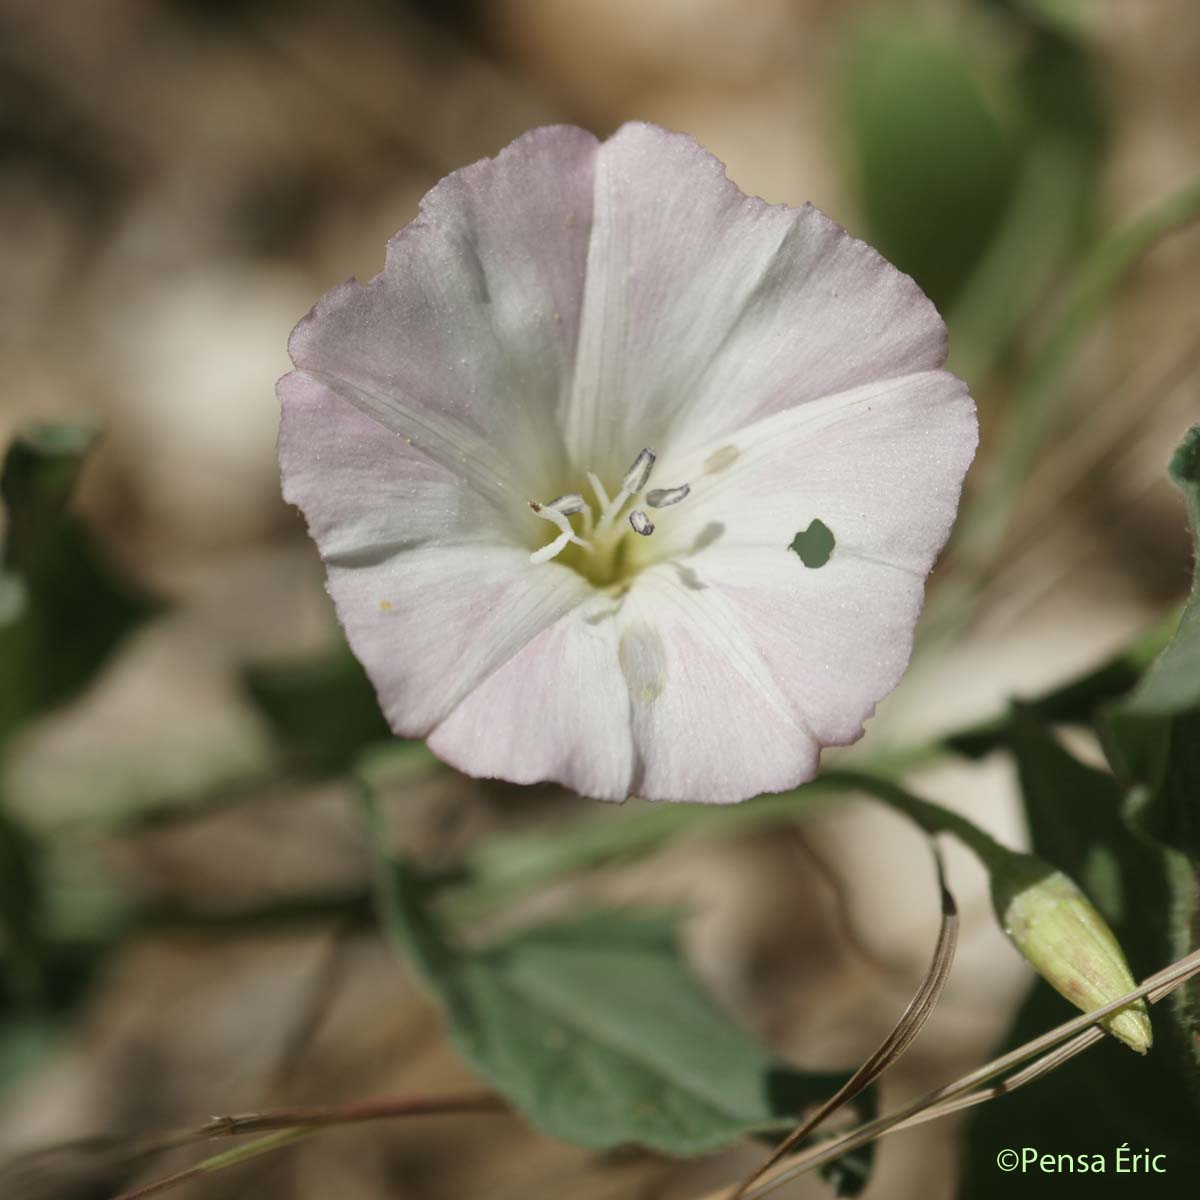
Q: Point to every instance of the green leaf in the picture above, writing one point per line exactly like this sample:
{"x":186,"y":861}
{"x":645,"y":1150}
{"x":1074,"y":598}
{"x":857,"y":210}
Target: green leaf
{"x":323,"y":710}
{"x":933,"y":164}
{"x":1153,"y":736}
{"x":62,"y":608}
{"x":593,"y":1027}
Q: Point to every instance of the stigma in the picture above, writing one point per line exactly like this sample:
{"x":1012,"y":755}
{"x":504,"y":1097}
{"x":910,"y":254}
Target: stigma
{"x":599,"y":523}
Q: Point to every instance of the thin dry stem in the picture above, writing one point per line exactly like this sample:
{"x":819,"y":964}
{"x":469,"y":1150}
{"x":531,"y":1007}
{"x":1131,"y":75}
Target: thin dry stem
{"x":897,"y":1041}
{"x":284,"y":1126}
{"x":952,"y":1096}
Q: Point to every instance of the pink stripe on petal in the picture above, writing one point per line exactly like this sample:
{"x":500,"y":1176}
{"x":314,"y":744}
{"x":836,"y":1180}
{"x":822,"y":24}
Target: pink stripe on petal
{"x":432,"y":624}
{"x":710,"y":722}
{"x":364,"y":489}
{"x":655,"y":695}
{"x":558,"y":710}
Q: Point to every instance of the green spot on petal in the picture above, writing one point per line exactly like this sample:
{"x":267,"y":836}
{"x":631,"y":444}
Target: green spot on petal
{"x":814,"y":544}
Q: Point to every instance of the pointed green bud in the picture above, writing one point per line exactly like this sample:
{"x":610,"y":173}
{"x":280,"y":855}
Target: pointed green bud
{"x":1056,"y":927}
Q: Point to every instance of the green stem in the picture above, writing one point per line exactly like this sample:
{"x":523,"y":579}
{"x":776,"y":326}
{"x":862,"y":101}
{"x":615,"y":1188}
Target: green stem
{"x":505,"y":868}
{"x":932,"y":818}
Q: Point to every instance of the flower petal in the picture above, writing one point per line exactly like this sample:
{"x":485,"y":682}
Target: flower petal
{"x":365,"y":492}
{"x":882,"y":468}
{"x":563,"y":307}
{"x":465,"y":341}
{"x":658,"y":694}
{"x":432,"y":624}
{"x":432,"y":597}
{"x":707,"y":309}
{"x":730,"y":663}
{"x":711,"y":723}
{"x":558,"y":710}
{"x":881,"y":465}
{"x":835,"y":641}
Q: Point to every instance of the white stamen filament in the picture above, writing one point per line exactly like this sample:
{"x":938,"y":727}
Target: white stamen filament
{"x":552,"y":549}
{"x":556,"y":514}
{"x":598,"y":488}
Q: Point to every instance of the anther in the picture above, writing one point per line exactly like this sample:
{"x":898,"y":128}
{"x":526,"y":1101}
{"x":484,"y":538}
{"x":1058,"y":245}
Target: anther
{"x":635,"y":479}
{"x":641,"y":523}
{"x":665,"y":497}
{"x":569,"y":504}
{"x":638,"y":475}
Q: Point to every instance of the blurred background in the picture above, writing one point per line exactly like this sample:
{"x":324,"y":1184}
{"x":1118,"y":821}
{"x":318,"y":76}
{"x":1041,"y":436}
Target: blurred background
{"x":182,"y":869}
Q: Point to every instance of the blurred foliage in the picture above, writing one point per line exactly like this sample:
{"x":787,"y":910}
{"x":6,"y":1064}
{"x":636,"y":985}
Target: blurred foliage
{"x":1082,"y":819}
{"x":1067,"y":16}
{"x":1035,"y":404}
{"x":1078,"y":701}
{"x":322,"y":710}
{"x":975,"y":178}
{"x":1153,"y":737}
{"x":20,"y":911}
{"x":1075,"y":819}
{"x":1153,"y":742}
{"x":62,"y":608}
{"x":934,"y":165}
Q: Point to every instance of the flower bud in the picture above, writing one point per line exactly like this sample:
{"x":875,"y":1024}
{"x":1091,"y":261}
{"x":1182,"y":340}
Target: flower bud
{"x":1056,"y":927}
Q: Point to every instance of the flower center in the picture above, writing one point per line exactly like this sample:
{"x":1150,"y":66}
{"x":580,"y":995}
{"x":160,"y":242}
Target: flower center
{"x":596,"y":551}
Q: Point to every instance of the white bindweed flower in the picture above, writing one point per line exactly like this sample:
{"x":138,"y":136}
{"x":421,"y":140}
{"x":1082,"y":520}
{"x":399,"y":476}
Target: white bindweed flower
{"x":623,"y":478}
